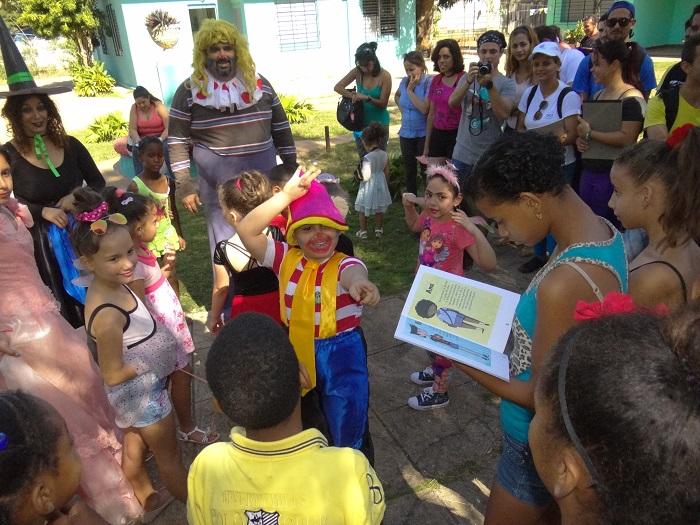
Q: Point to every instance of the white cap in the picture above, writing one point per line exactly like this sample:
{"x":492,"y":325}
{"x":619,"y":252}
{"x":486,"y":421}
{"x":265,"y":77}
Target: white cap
{"x":547,"y":48}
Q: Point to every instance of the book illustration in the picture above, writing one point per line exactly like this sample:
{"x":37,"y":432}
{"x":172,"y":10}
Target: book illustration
{"x":459,"y":318}
{"x":427,"y":309}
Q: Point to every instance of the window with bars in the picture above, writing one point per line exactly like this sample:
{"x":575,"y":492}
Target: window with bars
{"x":575,"y":10}
{"x":381,"y":18}
{"x":113,"y":30}
{"x":297,"y":24}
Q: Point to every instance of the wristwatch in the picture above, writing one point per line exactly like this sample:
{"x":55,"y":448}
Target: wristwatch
{"x":587,"y":136}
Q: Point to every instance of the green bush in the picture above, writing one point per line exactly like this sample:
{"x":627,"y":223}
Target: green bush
{"x":90,"y":81}
{"x":396,"y":176}
{"x":575,"y":34}
{"x":107,"y":128}
{"x":298,"y":111}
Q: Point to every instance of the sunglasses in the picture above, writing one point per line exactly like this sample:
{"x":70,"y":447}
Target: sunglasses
{"x":622,"y":22}
{"x":99,"y":227}
{"x":543,"y":106}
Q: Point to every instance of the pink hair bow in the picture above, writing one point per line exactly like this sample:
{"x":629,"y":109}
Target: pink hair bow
{"x":94,"y":214}
{"x":446,"y":172}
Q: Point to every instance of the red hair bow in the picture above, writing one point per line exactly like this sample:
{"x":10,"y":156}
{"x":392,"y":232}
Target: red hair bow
{"x":678,"y":135}
{"x":613,"y":303}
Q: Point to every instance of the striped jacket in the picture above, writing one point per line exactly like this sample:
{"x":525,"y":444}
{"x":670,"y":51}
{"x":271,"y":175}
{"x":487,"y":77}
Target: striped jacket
{"x":239,"y":133}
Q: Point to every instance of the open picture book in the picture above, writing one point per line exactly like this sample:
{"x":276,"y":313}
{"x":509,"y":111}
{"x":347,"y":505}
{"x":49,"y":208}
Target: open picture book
{"x":459,"y":318}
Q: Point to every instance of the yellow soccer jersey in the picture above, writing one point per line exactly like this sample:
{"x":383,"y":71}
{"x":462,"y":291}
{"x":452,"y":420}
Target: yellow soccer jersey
{"x":656,"y":113}
{"x":297,"y":480}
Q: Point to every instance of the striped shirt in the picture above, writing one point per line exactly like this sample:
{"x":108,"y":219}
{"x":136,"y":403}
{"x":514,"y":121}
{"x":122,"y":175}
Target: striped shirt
{"x":348,"y":311}
{"x":229,"y":133}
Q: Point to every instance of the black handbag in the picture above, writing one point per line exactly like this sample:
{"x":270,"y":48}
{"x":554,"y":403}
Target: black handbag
{"x":350,"y":114}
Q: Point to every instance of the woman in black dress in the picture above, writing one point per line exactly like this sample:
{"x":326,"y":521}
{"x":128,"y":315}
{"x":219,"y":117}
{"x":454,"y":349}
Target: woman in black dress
{"x":47,"y":165}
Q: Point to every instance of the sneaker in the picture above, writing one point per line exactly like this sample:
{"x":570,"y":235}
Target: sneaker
{"x":424,"y":377}
{"x":361,"y":234}
{"x":429,"y":400}
{"x":533,"y":264}
{"x":378,"y":232}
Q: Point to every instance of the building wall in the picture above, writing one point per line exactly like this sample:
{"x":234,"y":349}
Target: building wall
{"x":661,"y":23}
{"x":341,"y":26}
{"x":305,"y":73}
{"x":658,"y":22}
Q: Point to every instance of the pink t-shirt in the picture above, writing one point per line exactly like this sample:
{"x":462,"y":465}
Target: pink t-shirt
{"x":442,"y":244}
{"x":445,"y":117}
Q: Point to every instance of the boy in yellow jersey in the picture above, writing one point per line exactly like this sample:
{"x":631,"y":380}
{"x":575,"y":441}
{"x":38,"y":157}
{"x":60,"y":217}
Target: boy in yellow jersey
{"x":272,"y":471}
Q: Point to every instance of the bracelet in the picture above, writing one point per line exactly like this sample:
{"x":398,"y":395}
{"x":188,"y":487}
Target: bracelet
{"x":587,"y":136}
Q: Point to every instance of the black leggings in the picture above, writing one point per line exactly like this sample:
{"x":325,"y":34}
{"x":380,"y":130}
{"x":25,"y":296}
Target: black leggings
{"x":410,"y":149}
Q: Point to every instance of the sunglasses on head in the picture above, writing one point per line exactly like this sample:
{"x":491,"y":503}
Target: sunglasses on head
{"x":623,"y":22}
{"x":543,"y":106}
{"x":99,"y":227}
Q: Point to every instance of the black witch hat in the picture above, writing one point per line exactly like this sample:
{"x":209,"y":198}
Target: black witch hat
{"x":19,"y":79}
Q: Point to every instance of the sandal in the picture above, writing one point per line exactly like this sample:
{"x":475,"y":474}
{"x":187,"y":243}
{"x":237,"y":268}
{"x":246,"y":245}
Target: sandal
{"x":164,"y":499}
{"x":378,"y":232}
{"x":209,"y":437}
{"x":361,"y":234}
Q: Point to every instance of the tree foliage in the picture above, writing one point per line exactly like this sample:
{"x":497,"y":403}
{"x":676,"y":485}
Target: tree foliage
{"x":425,"y":13}
{"x":73,"y":19}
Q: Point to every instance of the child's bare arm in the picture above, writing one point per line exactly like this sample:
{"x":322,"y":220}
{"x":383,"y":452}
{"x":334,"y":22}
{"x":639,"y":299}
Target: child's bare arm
{"x":107,"y":329}
{"x":354,"y":280}
{"x":252,"y":227}
{"x":176,"y":215}
{"x":219,"y":292}
{"x":481,"y":251}
{"x":139,"y":288}
{"x":409,"y":210}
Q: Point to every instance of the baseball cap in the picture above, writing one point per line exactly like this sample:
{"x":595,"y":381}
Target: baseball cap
{"x":547,"y":48}
{"x":623,"y":5}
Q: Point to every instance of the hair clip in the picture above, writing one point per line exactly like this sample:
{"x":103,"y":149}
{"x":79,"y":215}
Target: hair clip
{"x":238,"y":184}
{"x":678,"y":135}
{"x":99,"y":227}
{"x":4,"y":442}
{"x":93,"y":214}
{"x":328,"y":178}
{"x":127,"y":201}
{"x":119,"y":192}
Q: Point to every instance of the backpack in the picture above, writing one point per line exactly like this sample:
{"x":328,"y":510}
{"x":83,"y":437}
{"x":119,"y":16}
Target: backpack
{"x":350,"y":115}
{"x":560,"y":99}
{"x":671,"y":98}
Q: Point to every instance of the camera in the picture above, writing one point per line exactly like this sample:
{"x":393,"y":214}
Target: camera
{"x":484,"y":68}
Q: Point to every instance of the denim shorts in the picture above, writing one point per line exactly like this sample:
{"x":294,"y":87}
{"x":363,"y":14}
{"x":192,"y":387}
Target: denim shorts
{"x":516,"y":473}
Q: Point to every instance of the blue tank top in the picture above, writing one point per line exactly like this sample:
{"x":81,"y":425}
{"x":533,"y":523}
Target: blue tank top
{"x":609,"y":254}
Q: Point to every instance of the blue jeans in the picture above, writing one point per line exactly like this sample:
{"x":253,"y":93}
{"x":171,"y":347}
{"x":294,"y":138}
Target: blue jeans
{"x":516,"y":473}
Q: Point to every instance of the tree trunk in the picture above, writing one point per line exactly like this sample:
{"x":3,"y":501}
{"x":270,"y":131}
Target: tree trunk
{"x":425,"y":9}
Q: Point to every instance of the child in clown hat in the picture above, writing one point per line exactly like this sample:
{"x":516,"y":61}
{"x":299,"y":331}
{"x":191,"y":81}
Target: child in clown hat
{"x":322,"y":293}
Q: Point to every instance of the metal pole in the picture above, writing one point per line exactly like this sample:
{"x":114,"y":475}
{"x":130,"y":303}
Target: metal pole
{"x":327,"y":133}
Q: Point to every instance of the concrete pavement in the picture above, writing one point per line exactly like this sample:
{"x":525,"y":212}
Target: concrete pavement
{"x":436,"y":466}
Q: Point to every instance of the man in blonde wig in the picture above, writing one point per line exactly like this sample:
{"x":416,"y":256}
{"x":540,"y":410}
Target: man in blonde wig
{"x":229,"y":118}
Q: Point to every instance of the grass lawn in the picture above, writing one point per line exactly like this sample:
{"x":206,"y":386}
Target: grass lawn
{"x":660,"y":67}
{"x":391,"y":260}
{"x":99,"y":151}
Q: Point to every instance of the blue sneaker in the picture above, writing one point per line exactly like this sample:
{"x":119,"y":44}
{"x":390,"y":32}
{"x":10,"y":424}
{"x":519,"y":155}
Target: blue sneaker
{"x":429,"y":400}
{"x":424,"y":377}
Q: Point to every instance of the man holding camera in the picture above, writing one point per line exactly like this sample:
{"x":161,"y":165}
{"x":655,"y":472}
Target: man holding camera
{"x":486,"y":97}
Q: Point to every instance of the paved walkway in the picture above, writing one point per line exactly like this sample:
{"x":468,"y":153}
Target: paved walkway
{"x":436,"y":466}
